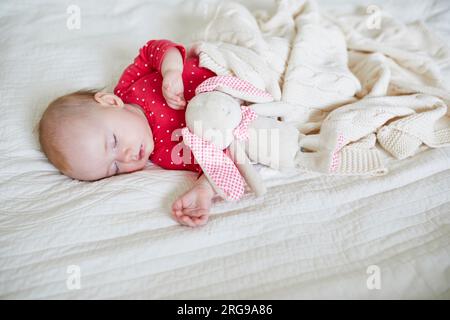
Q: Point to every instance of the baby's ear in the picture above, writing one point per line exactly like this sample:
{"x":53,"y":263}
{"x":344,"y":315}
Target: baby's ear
{"x":108,"y":99}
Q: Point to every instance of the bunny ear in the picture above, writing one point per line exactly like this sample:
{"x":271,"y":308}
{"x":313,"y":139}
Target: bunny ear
{"x":216,"y":165}
{"x":235,"y":87}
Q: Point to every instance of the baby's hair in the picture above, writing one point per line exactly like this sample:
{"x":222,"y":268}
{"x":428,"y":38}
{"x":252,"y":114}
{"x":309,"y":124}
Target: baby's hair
{"x":58,"y":115}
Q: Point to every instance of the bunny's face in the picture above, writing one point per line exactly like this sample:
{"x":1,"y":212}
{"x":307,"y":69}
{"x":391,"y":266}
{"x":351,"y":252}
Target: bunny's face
{"x":213,"y":116}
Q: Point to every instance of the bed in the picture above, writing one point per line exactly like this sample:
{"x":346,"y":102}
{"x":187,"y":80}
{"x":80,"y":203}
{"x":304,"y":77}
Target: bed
{"x":311,"y":236}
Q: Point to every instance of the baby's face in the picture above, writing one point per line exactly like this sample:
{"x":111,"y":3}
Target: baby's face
{"x":112,"y":140}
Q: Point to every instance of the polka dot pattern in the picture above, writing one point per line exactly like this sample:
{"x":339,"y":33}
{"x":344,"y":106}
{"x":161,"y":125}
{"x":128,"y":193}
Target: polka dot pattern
{"x":141,"y":83}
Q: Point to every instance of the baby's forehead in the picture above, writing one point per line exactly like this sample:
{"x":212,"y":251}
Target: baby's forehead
{"x":77,"y":128}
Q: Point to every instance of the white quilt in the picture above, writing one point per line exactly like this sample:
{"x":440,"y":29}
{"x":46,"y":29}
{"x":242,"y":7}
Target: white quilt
{"x":311,"y":236}
{"x":358,"y":82}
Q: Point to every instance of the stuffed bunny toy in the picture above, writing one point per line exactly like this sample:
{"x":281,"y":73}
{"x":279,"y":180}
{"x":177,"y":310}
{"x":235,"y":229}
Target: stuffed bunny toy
{"x":226,"y":136}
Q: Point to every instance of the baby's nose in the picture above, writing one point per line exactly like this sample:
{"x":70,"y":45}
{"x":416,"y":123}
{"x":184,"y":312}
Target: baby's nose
{"x":128,"y":155}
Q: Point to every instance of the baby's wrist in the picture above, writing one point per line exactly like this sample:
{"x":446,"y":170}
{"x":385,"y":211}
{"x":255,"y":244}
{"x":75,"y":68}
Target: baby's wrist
{"x":172,"y":62}
{"x":204,"y":183}
{"x":174,"y":71}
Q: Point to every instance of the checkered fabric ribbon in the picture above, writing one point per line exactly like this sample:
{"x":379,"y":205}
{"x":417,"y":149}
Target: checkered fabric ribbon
{"x":233,"y":86}
{"x":216,"y":164}
{"x":248,"y":115}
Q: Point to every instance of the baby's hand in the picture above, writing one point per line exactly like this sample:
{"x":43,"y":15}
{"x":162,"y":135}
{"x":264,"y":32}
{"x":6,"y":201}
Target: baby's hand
{"x":192,"y":208}
{"x":173,"y":89}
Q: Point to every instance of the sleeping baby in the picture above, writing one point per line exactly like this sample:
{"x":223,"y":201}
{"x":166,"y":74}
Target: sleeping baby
{"x":117,"y":133}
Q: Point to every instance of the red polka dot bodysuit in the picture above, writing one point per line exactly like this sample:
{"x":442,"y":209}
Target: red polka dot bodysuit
{"x":141,"y":84}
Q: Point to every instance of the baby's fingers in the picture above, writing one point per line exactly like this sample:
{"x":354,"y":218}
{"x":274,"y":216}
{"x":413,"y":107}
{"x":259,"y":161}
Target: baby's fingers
{"x":187,"y":221}
{"x":175,"y":99}
{"x":200,"y":221}
{"x":170,"y":93}
{"x":174,"y":104}
{"x":195,"y":212}
{"x":193,"y":221}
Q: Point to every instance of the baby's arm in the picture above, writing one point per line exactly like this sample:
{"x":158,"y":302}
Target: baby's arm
{"x":192,"y":208}
{"x":171,"y":71}
{"x":172,"y":61}
{"x":149,"y":60}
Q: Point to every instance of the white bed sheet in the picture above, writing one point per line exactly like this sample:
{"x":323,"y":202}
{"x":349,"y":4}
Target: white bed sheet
{"x":311,"y":236}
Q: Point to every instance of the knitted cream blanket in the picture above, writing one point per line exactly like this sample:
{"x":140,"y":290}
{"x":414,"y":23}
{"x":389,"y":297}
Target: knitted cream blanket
{"x":351,"y":83}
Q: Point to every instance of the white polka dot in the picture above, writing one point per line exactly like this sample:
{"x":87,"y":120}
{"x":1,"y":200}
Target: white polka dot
{"x":171,"y":119}
{"x":143,"y":100}
{"x":190,"y":81}
{"x":161,"y":140}
{"x":133,"y":88}
{"x":154,"y":80}
{"x":159,"y":159}
{"x":167,"y":131}
{"x":151,"y":56}
{"x":190,"y":90}
{"x":153,"y":101}
{"x":132,"y":81}
{"x":164,"y":104}
{"x":157,"y":48}
{"x":158,"y":127}
{"x":182,"y":124}
{"x":145,"y":80}
{"x":162,"y":116}
{"x":204,"y":77}
{"x":146,"y":65}
{"x":193,"y":72}
{"x":123,"y":81}
{"x":138,"y":73}
{"x":167,"y":150}
{"x":154,"y":90}
{"x":143,"y":89}
{"x":184,"y":165}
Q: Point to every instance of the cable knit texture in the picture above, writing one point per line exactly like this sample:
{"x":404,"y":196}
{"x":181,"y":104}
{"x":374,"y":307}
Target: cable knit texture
{"x":348,"y":86}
